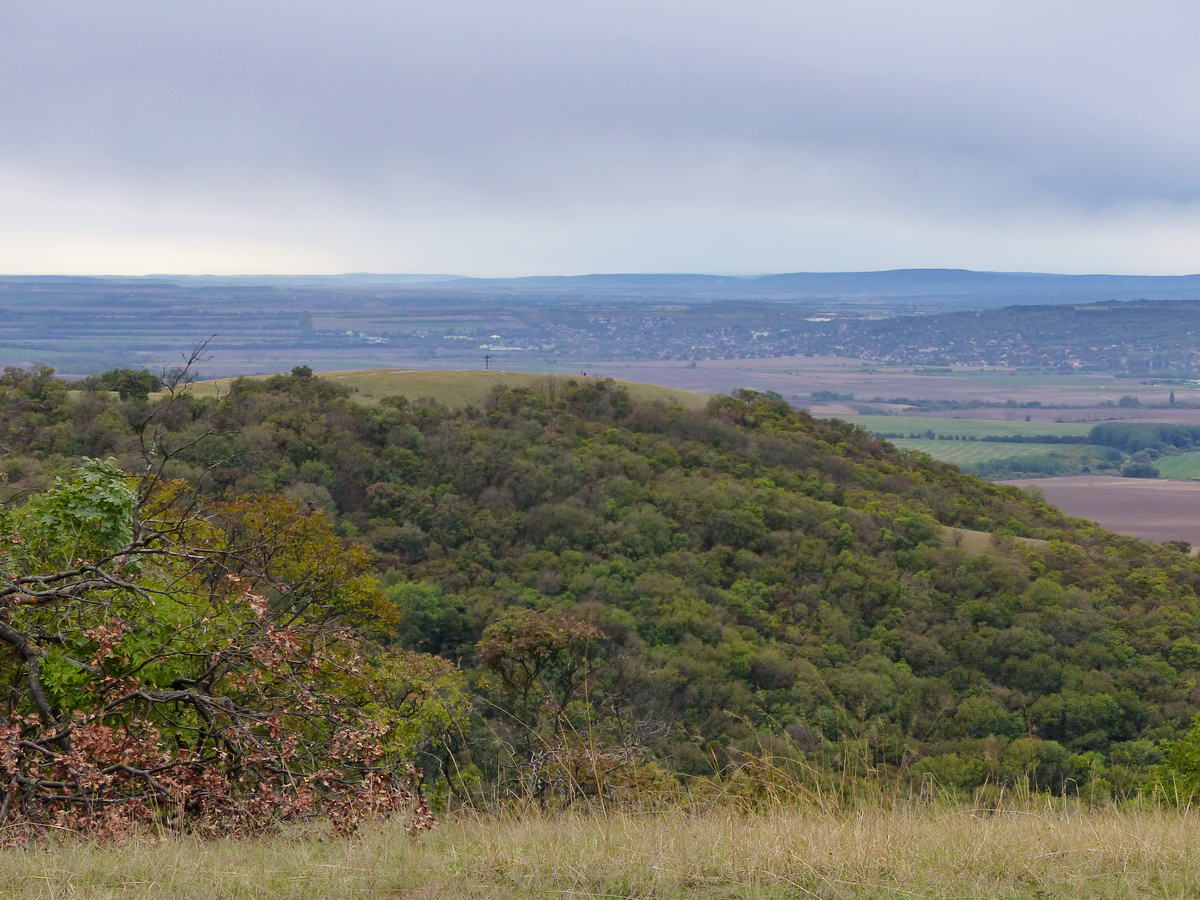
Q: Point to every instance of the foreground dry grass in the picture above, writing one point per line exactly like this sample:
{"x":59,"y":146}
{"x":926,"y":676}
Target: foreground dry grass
{"x":899,"y":852}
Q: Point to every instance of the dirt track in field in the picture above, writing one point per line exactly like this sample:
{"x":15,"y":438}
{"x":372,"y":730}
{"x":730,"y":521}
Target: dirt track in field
{"x":1153,"y":508}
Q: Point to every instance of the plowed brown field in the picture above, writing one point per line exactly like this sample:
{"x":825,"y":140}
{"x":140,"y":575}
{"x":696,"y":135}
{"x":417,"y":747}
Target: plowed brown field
{"x":1153,"y":508}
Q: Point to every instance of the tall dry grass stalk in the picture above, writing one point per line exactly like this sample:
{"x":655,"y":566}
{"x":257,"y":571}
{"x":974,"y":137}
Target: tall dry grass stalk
{"x":906,"y":849}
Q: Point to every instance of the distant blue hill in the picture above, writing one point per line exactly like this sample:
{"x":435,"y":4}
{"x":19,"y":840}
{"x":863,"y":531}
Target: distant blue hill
{"x":952,"y":288}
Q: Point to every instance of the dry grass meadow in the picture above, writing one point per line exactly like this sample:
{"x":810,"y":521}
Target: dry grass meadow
{"x":917,"y":850}
{"x":457,"y":389}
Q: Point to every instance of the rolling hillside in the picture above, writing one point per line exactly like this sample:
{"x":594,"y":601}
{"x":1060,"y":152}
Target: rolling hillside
{"x":741,"y":579}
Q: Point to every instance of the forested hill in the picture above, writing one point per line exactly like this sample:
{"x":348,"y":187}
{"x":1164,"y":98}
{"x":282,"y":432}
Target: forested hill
{"x":739,"y":579}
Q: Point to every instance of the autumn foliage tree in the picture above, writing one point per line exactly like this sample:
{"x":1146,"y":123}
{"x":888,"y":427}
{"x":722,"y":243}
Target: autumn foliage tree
{"x":207,"y":668}
{"x":542,"y":661}
{"x":560,"y":710}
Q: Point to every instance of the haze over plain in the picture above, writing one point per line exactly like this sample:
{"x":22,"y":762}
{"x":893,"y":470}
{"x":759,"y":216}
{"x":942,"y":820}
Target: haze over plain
{"x":529,"y":136}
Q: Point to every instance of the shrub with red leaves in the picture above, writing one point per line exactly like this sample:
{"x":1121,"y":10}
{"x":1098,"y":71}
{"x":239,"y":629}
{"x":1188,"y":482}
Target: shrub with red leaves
{"x":202,"y":669}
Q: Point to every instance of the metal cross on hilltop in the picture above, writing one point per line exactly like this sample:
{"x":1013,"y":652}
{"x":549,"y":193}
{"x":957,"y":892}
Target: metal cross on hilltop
{"x":487,"y":361}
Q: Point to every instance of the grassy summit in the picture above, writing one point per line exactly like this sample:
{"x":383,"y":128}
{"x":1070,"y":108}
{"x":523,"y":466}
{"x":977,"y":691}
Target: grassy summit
{"x":459,"y":389}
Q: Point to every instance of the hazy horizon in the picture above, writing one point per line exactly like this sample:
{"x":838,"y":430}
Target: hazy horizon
{"x":436,"y":276}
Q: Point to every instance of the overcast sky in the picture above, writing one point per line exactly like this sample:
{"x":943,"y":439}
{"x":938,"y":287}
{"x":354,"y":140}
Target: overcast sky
{"x":569,"y":136}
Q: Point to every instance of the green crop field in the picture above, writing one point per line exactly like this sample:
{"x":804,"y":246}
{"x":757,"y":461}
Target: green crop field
{"x":969,"y":453}
{"x":457,"y":389}
{"x":965,"y":427}
{"x":1184,"y":466}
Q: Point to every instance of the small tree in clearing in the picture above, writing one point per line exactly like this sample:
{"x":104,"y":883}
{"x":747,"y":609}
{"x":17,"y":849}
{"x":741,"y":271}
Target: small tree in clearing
{"x":561,"y":713}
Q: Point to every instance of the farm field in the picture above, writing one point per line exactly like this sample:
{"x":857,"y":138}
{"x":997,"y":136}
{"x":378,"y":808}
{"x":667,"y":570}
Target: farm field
{"x":458,"y":389}
{"x":1090,"y":415}
{"x":968,"y":453}
{"x":965,"y":427}
{"x":1185,"y":466}
{"x":1156,"y":509}
{"x":800,"y":376}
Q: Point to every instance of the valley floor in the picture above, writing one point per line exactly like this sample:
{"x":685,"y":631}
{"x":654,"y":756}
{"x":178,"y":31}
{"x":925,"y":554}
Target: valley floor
{"x":918,"y":851}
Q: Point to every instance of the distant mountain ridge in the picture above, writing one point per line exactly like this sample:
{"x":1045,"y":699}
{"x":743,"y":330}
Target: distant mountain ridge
{"x":956,"y":284}
{"x":949,"y":287}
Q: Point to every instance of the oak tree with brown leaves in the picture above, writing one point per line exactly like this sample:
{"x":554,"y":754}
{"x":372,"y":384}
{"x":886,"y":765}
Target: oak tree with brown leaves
{"x":201,"y":667}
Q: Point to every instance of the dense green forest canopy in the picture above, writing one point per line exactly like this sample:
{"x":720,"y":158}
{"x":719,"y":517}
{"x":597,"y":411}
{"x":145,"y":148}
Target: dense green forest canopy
{"x":688,"y":588}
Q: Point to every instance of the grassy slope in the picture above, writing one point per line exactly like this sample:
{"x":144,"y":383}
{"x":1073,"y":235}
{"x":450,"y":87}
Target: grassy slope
{"x":966,"y":453}
{"x":966,"y":427}
{"x":972,"y":541}
{"x":457,"y":389}
{"x":1049,"y":850}
{"x":1185,"y":466}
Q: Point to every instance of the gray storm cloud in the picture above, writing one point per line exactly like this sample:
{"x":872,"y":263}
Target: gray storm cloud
{"x":511,"y":137}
